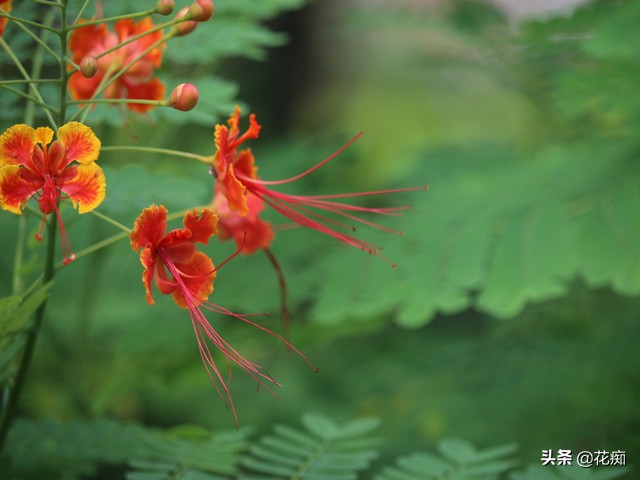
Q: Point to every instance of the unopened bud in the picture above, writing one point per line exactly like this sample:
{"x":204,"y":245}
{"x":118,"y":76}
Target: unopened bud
{"x":165,"y":7}
{"x":201,"y":10}
{"x":88,"y":66}
{"x":185,"y":26}
{"x":184,"y":97}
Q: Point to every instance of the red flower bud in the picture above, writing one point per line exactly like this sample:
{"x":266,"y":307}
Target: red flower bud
{"x":185,"y":26}
{"x":184,"y":97}
{"x":88,"y":66}
{"x":201,"y":10}
{"x":165,"y":7}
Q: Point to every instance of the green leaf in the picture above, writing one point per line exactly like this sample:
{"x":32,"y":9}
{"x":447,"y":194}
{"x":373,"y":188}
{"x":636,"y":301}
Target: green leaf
{"x":460,"y":460}
{"x":325,"y":451}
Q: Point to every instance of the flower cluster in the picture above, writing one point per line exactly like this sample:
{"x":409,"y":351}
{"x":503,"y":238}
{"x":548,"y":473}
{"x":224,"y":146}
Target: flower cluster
{"x":115,"y":61}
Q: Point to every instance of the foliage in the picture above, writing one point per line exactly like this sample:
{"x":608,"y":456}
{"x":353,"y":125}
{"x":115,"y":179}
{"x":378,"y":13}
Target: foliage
{"x":321,"y":450}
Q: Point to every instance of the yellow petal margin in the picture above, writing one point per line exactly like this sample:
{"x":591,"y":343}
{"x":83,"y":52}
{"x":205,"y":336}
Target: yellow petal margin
{"x":16,"y":144}
{"x":80,"y":143}
{"x":87,"y":189}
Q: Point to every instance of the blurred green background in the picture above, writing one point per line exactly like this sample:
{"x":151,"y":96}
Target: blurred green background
{"x":513,"y":313}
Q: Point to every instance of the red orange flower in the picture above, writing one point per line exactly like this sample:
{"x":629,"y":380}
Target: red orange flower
{"x":237,"y":179}
{"x":5,"y":5}
{"x":172,"y":262}
{"x":138,"y":82}
{"x":249,"y":231}
{"x":30,"y":165}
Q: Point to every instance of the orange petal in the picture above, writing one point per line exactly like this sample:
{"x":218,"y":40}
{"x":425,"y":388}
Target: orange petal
{"x":80,"y":143}
{"x":16,"y":144}
{"x":148,"y":260}
{"x":14,"y":190}
{"x":82,"y":88}
{"x":154,"y":89}
{"x":149,"y":228}
{"x":234,"y":190}
{"x":234,"y":121}
{"x":87,"y":189}
{"x":86,"y":40}
{"x":6,"y":6}
{"x":245,"y":163}
{"x":253,"y":131}
{"x":198,"y":279}
{"x":202,"y":225}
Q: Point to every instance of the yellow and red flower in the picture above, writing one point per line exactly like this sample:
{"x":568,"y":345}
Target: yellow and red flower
{"x":138,"y":82}
{"x":5,"y":6}
{"x":31,"y":165}
{"x":237,"y":179}
{"x":172,"y":262}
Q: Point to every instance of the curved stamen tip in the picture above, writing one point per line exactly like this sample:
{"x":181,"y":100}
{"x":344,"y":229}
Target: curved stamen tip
{"x":315,"y":370}
{"x":39,"y":237}
{"x":69,"y":259}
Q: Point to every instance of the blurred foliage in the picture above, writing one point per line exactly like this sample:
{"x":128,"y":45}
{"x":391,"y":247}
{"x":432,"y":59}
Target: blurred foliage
{"x":321,"y":450}
{"x":527,"y":136}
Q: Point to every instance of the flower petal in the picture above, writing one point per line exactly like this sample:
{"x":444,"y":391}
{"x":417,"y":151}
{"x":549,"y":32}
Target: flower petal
{"x":16,"y":145}
{"x":235,"y":192}
{"x":201,"y":224}
{"x":150,"y":227}
{"x":14,"y":190}
{"x":6,"y":6}
{"x":199,"y":274}
{"x":128,"y":28}
{"x":87,"y":189}
{"x":87,"y":40}
{"x":148,"y":260}
{"x":43,"y":135}
{"x":246,"y":164}
{"x":250,"y":232}
{"x":80,"y":143}
{"x":154,"y":89}
{"x":82,"y":88}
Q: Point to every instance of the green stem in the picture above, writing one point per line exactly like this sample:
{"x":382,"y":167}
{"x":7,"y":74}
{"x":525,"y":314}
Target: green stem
{"x":163,"y":151}
{"x":26,"y":76}
{"x":98,"y":21}
{"x":81,"y":11}
{"x":31,"y":98}
{"x":159,"y":103}
{"x":27,"y":22}
{"x":111,"y":221}
{"x":40,"y":41}
{"x":16,"y":284}
{"x":49,"y":272}
{"x":139,"y":36}
{"x":34,"y":81}
{"x":47,"y":2}
{"x":97,"y":246}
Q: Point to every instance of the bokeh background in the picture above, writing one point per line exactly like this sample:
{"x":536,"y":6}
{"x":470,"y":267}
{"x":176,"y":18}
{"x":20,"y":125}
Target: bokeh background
{"x":513,"y":313}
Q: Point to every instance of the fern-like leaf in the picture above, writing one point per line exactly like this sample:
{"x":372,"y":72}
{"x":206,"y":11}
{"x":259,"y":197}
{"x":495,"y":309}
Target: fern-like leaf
{"x":324,"y":450}
{"x":457,"y":460}
{"x":191,"y":454}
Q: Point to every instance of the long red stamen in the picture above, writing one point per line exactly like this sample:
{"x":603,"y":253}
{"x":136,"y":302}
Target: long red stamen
{"x":202,"y":327}
{"x":312,"y":169}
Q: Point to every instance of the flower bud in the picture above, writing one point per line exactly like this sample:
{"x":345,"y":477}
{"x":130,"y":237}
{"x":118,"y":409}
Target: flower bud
{"x":165,"y":7}
{"x":185,"y":26}
{"x":88,"y":66}
{"x":184,"y":97}
{"x":201,"y":10}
